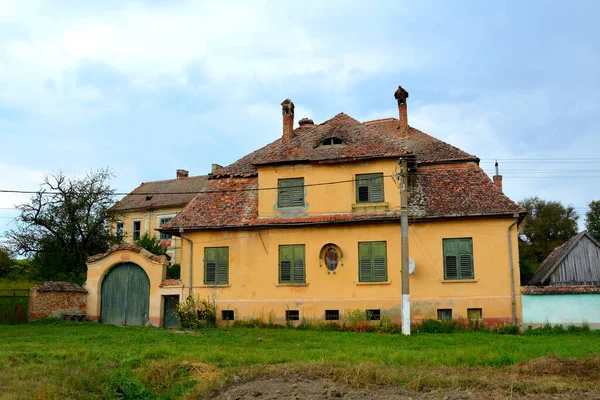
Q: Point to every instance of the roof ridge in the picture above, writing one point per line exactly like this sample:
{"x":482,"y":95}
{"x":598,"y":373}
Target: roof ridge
{"x":372,"y":121}
{"x":174,"y":179}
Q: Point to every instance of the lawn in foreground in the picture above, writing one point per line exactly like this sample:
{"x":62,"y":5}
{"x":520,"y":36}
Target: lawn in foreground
{"x":89,"y":360}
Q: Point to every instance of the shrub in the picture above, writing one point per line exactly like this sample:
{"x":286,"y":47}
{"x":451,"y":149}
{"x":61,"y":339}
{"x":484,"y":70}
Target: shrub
{"x":174,"y":271}
{"x":506,"y":329}
{"x":437,"y":326}
{"x":195,"y":313}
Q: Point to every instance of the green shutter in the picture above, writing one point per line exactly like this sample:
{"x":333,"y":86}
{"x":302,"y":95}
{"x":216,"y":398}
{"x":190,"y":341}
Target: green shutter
{"x":364,"y":263}
{"x":290,"y":192}
{"x":223,"y":266}
{"x":286,"y":257}
{"x":369,"y":188}
{"x":379,"y":261}
{"x":210,"y":265}
{"x":216,"y":265}
{"x":376,"y":188}
{"x":458,"y":258}
{"x":292,"y":264}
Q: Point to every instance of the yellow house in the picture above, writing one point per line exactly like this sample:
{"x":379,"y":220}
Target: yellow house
{"x":152,"y":204}
{"x":309,"y":227}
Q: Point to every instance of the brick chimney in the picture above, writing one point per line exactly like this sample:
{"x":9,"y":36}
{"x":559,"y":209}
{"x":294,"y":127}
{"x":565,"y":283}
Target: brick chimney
{"x":401,"y":95}
{"x":287,"y":109}
{"x":182,"y":173}
{"x":215,"y":168}
{"x":497,"y":178}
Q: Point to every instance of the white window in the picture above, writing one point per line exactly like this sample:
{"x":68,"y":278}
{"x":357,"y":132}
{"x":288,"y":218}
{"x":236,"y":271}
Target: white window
{"x":120,"y":230}
{"x":164,"y":220}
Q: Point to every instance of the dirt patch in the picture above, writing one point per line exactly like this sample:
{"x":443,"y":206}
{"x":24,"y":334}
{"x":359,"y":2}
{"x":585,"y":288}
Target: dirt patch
{"x":575,"y":368}
{"x":275,"y":388}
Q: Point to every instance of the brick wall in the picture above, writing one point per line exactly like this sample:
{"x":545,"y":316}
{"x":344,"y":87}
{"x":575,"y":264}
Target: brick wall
{"x":45,"y":302}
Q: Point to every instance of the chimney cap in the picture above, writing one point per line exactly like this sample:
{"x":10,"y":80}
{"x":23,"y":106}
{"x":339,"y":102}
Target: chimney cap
{"x":287,"y":107}
{"x":182,"y":173}
{"x":306,"y":122}
{"x":401,"y":95}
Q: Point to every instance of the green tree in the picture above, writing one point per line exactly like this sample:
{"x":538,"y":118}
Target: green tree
{"x":548,"y":225}
{"x":64,"y":223}
{"x":152,"y":244}
{"x":5,"y":263}
{"x":592,"y":219}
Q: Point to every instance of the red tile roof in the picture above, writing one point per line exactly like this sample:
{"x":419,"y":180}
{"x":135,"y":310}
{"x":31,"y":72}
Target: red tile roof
{"x":161,"y":194}
{"x":56,"y":286}
{"x":448,"y":182}
{"x":426,"y":148}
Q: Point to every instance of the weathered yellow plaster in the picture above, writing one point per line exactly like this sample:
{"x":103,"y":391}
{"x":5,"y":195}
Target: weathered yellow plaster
{"x":156,"y":271}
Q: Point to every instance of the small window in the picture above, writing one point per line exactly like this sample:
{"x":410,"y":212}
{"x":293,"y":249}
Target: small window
{"x":165,"y":236}
{"x":373,"y":315}
{"x":227,"y":315}
{"x":216,"y":265}
{"x":120,"y":231}
{"x":290,"y":192}
{"x":291,"y":264}
{"x":137,"y":228}
{"x":474,"y":314}
{"x":332,"y":315}
{"x":444,"y":313}
{"x":369,"y":188}
{"x":292,"y":315}
{"x":458,"y":258}
{"x":372,"y":262}
{"x":331,"y":141}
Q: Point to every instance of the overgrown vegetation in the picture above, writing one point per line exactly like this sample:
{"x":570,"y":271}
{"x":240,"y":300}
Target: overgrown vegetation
{"x":194,"y":313}
{"x":89,"y":360}
{"x":152,"y":244}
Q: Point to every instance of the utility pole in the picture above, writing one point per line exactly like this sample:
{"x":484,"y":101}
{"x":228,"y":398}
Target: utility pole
{"x":404,"y":246}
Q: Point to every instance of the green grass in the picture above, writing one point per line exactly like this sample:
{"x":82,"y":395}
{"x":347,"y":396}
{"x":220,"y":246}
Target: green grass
{"x":89,"y":360}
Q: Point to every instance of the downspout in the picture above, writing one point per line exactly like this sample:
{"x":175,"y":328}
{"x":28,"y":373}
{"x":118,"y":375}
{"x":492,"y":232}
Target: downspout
{"x":512,"y":274}
{"x":191,"y":258}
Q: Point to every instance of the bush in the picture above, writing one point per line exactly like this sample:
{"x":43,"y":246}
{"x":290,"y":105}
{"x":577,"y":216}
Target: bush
{"x":194,"y":313}
{"x":506,"y":329}
{"x":437,"y":326}
{"x":152,"y":244}
{"x":548,"y":329}
{"x":174,"y":271}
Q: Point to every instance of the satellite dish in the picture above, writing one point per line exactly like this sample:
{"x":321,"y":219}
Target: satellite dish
{"x":411,"y":266}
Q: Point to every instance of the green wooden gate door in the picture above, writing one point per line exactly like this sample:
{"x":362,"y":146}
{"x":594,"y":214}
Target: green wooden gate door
{"x":125,"y":296}
{"x":170,"y":317}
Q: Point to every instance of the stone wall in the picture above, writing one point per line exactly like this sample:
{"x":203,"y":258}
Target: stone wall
{"x":55,"y":299}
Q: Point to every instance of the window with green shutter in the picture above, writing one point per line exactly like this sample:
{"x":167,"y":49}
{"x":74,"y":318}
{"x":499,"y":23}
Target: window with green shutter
{"x":458,"y":258}
{"x":216,"y":265}
{"x":290,"y":192}
{"x":372,"y":262}
{"x":369,"y":188}
{"x":291,"y":264}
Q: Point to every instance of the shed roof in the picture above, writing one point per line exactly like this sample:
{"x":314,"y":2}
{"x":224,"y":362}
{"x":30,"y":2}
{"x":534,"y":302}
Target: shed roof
{"x":56,"y":286}
{"x":555,"y":258}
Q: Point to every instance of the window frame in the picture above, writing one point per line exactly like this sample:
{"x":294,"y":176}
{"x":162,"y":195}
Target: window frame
{"x":297,"y":253}
{"x":459,"y":248}
{"x":220,"y":255}
{"x":136,"y":234}
{"x":292,"y":315}
{"x":293,"y":188}
{"x":120,"y":230}
{"x":374,"y":186}
{"x":332,"y":315}
{"x":442,"y":313}
{"x":373,"y":247}
{"x":164,"y":236}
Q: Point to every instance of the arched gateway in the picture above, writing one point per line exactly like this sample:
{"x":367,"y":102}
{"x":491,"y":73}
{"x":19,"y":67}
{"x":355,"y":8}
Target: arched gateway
{"x":125,"y":296}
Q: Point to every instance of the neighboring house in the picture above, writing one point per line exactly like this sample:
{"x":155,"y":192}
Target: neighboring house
{"x":309,"y":227}
{"x":566,"y":287}
{"x":153,"y":204}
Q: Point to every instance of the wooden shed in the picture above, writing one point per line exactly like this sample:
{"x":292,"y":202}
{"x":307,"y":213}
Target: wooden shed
{"x":566,"y":287}
{"x":575,"y":263}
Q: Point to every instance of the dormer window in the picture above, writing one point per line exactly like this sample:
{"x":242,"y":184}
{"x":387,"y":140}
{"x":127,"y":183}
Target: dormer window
{"x":331,"y":141}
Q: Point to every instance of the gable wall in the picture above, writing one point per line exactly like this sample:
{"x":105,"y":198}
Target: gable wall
{"x":581,"y":265}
